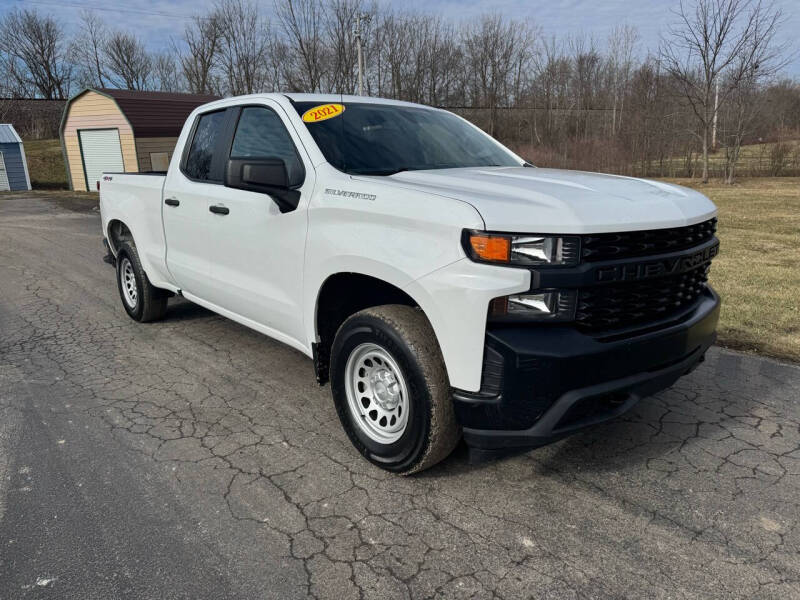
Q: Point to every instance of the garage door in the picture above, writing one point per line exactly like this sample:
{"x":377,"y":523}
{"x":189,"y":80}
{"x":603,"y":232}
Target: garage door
{"x":101,"y":152}
{"x":4,"y":187}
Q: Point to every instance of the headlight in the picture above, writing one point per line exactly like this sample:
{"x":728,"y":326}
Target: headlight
{"x":522,"y":250}
{"x":544,"y":305}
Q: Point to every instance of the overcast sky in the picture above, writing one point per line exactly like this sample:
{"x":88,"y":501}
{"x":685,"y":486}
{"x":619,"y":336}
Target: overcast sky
{"x":157,"y":21}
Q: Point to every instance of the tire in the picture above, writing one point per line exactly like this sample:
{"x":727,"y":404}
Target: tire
{"x":141,"y":300}
{"x":391,"y":390}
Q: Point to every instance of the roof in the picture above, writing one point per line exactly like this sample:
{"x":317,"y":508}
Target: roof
{"x":155,"y":114}
{"x":8,"y":135}
{"x":352,"y":99}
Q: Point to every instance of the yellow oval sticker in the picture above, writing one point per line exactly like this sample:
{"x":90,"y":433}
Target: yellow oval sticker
{"x":322,"y":112}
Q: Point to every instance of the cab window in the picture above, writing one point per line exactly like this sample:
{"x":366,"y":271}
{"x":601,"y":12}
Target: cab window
{"x":199,"y":160}
{"x":260,"y":133}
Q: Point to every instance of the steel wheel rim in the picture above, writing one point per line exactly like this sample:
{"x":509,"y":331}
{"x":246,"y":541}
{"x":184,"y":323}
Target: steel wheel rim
{"x":128,"y":280}
{"x":377,"y":395}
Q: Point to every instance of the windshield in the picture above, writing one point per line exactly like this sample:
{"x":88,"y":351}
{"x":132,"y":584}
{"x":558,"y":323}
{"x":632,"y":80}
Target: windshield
{"x":382,"y":139}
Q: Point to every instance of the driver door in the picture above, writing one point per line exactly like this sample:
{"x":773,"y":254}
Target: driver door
{"x":257,"y":271}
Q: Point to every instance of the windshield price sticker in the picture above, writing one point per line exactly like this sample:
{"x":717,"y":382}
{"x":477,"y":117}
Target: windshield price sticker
{"x":323,"y":112}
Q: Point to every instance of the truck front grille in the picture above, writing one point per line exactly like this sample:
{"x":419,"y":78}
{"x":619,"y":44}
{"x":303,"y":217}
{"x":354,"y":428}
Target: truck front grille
{"x":630,"y":244}
{"x":608,"y":307}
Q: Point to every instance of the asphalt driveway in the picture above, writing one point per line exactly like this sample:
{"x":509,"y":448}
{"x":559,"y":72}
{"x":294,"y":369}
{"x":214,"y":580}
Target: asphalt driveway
{"x":193,"y":458}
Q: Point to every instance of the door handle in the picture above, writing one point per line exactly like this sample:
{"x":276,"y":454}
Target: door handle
{"x":172,"y":202}
{"x":219,"y":210}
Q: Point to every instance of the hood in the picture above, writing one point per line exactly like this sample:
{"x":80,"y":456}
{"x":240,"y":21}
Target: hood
{"x":534,"y":200}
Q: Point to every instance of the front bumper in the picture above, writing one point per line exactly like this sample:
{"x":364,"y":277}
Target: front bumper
{"x":541,"y":384}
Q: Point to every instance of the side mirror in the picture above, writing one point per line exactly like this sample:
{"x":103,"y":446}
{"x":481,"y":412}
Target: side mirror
{"x":263,"y":175}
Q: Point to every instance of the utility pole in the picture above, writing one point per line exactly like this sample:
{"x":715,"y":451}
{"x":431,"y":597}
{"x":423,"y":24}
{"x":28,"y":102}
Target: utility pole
{"x":358,"y":33}
{"x":714,"y":120}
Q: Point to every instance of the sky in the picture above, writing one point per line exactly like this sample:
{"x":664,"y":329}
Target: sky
{"x":157,"y":22}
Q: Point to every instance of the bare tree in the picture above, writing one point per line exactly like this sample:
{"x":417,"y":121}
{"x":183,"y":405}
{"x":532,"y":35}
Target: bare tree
{"x":784,"y":99}
{"x":497,"y":52}
{"x":275,"y":66}
{"x":129,"y":64}
{"x":402,"y":53}
{"x":339,"y":20}
{"x":758,"y":62}
{"x":444,"y":59}
{"x":7,"y":92}
{"x":621,"y":45}
{"x":87,"y":51}
{"x":167,"y":73}
{"x":244,"y":41}
{"x":587,"y":65}
{"x":36,"y":52}
{"x":9,"y":86}
{"x":392,"y":57}
{"x":715,"y":37}
{"x":743,"y":106}
{"x":551,"y":85}
{"x":199,"y":61}
{"x":302,"y":24}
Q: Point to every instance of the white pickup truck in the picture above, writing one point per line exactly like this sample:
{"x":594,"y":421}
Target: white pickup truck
{"x":443,"y":285}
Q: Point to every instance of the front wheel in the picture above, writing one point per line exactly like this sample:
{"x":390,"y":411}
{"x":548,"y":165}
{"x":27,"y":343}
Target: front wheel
{"x":391,"y":389}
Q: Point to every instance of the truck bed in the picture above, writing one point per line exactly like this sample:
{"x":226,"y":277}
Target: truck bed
{"x":136,"y":200}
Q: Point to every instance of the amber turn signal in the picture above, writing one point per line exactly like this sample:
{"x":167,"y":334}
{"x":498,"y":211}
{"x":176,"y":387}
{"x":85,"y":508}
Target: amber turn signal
{"x":491,"y":247}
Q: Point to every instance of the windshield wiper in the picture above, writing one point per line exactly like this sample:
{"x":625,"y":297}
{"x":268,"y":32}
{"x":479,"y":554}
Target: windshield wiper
{"x":386,"y":172}
{"x":379,"y":172}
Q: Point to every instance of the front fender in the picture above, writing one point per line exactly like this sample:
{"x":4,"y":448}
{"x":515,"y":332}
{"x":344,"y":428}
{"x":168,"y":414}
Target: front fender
{"x":356,"y":264}
{"x":456,"y":300}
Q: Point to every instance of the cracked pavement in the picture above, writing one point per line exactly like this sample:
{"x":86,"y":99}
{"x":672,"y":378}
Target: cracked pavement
{"x":194,"y":458}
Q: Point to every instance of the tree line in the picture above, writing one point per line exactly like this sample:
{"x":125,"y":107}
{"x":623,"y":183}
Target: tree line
{"x":713,"y":85}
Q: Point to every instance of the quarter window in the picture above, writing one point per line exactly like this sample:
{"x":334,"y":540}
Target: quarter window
{"x":261,"y":134}
{"x":201,"y":153}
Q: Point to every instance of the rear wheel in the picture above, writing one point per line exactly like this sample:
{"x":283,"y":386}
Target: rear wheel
{"x":142,"y":301}
{"x":391,"y":390}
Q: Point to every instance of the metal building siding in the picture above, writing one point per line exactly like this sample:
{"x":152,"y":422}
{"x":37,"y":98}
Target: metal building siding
{"x":101,"y":151}
{"x":15,"y":167}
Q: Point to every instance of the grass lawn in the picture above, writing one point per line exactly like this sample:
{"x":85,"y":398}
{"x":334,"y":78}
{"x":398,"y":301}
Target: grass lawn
{"x":757,"y":272}
{"x":754,"y":159}
{"x":46,"y":164}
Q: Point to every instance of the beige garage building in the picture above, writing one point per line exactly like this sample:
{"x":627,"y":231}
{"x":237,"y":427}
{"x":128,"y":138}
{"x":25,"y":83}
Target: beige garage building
{"x":121,"y":130}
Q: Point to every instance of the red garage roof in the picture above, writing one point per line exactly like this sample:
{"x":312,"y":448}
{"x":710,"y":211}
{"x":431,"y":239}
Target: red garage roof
{"x":156,"y":114}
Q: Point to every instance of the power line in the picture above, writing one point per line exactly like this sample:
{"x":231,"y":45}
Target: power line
{"x":107,"y":9}
{"x":537,"y":108}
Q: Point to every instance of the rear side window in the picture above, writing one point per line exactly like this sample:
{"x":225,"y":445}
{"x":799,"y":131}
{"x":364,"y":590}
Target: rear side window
{"x":204,"y":143}
{"x":261,"y":134}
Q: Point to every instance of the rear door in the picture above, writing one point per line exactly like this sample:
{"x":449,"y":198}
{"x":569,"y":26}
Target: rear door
{"x":258,"y":264}
{"x":101,"y":152}
{"x":188,"y":191}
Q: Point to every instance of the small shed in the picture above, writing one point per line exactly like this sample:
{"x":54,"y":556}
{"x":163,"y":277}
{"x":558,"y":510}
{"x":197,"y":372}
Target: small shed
{"x":13,"y":166}
{"x":121,"y":130}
